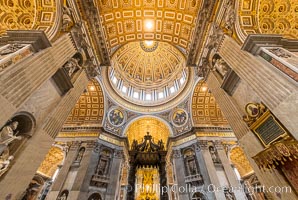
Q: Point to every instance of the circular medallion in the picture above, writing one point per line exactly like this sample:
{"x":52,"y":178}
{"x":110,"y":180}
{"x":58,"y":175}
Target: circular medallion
{"x":116,"y":117}
{"x":179,"y":117}
{"x":252,"y":110}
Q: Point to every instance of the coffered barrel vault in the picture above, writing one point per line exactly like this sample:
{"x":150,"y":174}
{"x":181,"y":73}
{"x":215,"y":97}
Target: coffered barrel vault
{"x":133,"y":20}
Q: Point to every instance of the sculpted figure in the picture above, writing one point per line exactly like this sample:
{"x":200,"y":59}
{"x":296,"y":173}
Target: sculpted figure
{"x":66,"y":18}
{"x":11,"y":49}
{"x":221,"y":66}
{"x":7,"y":135}
{"x":72,"y":66}
{"x":4,"y":164}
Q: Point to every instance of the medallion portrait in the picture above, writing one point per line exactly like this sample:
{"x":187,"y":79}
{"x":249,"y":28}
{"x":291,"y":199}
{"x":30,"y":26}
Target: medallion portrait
{"x":116,"y":117}
{"x":179,"y":117}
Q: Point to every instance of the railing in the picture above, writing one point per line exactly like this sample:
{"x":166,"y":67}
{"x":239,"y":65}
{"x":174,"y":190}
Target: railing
{"x":99,"y":178}
{"x":194,"y":178}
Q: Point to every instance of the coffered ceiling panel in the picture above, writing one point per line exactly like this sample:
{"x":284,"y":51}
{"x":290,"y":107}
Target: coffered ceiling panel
{"x":89,"y":109}
{"x":28,"y":15}
{"x":162,"y":20}
{"x":205,"y":111}
{"x":267,"y":17}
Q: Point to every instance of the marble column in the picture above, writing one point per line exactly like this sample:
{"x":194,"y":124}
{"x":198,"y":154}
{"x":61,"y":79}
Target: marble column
{"x":179,"y":167}
{"x":204,"y":171}
{"x":91,"y":168}
{"x":19,"y":81}
{"x":231,"y":176}
{"x":82,"y":171}
{"x":57,"y":186}
{"x":278,"y":92}
{"x":33,"y":152}
{"x":114,"y":182}
{"x":215,"y":186}
{"x":247,"y":140}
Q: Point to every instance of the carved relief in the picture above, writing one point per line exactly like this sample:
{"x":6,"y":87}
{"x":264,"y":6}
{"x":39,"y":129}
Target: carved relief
{"x":254,"y":111}
{"x":67,"y":21}
{"x":72,"y":66}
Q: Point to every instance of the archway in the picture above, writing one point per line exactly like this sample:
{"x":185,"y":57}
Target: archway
{"x":198,"y":196}
{"x":147,"y":138}
{"x":95,"y":196}
{"x":139,"y":127}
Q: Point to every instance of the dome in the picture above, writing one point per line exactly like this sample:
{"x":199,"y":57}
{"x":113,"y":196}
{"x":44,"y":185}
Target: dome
{"x":148,"y":71}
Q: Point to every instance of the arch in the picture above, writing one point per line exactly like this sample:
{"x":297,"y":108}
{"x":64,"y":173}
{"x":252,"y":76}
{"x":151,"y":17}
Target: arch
{"x":240,"y":162}
{"x":27,"y":122}
{"x":198,"y":196}
{"x":95,"y":196}
{"x":63,"y":195}
{"x":24,"y":125}
{"x":205,"y":110}
{"x":89,"y":109}
{"x":138,"y":128}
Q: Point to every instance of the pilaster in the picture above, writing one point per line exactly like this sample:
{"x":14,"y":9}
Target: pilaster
{"x":213,"y":187}
{"x":231,"y":176}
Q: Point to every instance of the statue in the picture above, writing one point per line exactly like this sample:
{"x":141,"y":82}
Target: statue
{"x":7,"y":135}
{"x":213,"y":154}
{"x":4,"y":164}
{"x":72,"y":66}
{"x":280,"y":53}
{"x":221,"y":66}
{"x":11,"y":49}
{"x":134,"y":145}
{"x":161,"y":145}
{"x":66,"y":18}
{"x":228,"y":195}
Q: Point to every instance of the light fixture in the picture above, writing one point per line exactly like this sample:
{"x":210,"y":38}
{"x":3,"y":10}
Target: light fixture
{"x":148,"y":25}
{"x":204,"y":89}
{"x":149,"y":43}
{"x":92,"y":88}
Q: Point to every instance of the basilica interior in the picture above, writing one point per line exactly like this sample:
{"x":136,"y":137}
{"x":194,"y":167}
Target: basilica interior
{"x":148,"y":99}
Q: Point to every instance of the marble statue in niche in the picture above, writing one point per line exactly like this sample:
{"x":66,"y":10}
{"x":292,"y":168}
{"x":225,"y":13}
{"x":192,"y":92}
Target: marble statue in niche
{"x":213,"y":154}
{"x":220,"y":66}
{"x":72,"y":66}
{"x":67,"y":21}
{"x":63,"y":195}
{"x":80,"y":155}
{"x":7,"y":135}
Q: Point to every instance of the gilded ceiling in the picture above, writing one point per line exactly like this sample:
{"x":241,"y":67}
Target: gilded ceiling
{"x":139,"y":128}
{"x":89,"y":109}
{"x":170,"y":21}
{"x":240,"y":161}
{"x":50,"y":164}
{"x":148,"y":69}
{"x":28,"y":14}
{"x":267,"y":17}
{"x":205,"y":111}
